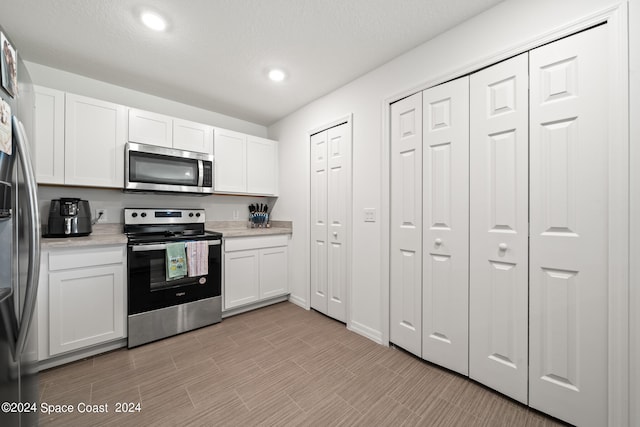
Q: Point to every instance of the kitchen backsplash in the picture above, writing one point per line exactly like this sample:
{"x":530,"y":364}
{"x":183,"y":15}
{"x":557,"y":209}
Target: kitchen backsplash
{"x":218,"y":207}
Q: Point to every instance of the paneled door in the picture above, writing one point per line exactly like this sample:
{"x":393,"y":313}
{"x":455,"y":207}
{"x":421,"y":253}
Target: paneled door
{"x":445,"y":291}
{"x":569,"y":148}
{"x":338,"y":202}
{"x":319,"y":228}
{"x":406,"y":224}
{"x":330,"y":213}
{"x":498,"y":288}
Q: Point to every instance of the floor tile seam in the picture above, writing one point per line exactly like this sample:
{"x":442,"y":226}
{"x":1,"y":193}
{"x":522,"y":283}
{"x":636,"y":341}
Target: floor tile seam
{"x":242,"y":400}
{"x":139,"y":395}
{"x":399,"y":403}
{"x":348,"y":404}
{"x":295,"y":402}
{"x":58,"y":394}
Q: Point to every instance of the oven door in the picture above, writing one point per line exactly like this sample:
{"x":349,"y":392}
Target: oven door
{"x":149,"y":288}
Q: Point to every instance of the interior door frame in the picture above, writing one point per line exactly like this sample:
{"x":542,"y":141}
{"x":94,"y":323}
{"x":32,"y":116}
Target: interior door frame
{"x":616,"y":18}
{"x":348,"y":120}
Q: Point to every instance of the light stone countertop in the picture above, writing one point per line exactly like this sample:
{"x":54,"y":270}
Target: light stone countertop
{"x":240,"y":229}
{"x":102,"y":234}
{"x":112,"y":234}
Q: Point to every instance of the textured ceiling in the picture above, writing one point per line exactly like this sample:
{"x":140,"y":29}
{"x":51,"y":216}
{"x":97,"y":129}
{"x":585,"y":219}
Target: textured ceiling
{"x":215,"y":52}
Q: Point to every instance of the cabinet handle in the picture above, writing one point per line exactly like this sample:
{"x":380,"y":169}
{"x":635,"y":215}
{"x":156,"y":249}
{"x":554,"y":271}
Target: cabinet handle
{"x":335,"y":234}
{"x":438,"y":241}
{"x":503,"y":246}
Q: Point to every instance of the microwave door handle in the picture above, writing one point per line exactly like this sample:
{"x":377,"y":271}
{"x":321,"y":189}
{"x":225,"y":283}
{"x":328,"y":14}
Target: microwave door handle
{"x":200,"y":173}
{"x":33,"y":270}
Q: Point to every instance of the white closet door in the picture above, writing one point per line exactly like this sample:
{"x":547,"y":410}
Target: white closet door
{"x":319,"y":229}
{"x":406,"y":224}
{"x":569,"y":236}
{"x":498,"y":294}
{"x":339,"y":161}
{"x":445,"y":291}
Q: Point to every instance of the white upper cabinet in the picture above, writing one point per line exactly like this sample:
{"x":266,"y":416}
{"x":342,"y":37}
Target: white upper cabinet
{"x":157,"y":129}
{"x":230,"y":156}
{"x":95,"y":135}
{"x":262,"y":166}
{"x":49,"y":135}
{"x":245,"y":164}
{"x":150,"y":128}
{"x":192,"y":136}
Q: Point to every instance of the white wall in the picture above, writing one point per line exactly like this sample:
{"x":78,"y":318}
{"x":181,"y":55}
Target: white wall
{"x":634,"y":110}
{"x":479,"y":41}
{"x":68,"y":82}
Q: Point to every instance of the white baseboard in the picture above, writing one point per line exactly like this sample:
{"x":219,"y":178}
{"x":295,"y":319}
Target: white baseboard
{"x":367,"y":332}
{"x":253,"y":306}
{"x":299,"y":302}
{"x":80,"y":354}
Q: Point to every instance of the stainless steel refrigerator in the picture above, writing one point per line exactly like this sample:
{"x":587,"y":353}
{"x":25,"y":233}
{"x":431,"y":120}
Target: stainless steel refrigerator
{"x":19,"y":244}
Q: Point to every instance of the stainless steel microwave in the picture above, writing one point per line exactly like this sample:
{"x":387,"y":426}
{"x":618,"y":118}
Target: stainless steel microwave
{"x":152,"y":168}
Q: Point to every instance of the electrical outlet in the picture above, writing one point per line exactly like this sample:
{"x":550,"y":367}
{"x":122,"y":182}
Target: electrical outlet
{"x":236,"y":214}
{"x":369,"y":215}
{"x":101,"y":215}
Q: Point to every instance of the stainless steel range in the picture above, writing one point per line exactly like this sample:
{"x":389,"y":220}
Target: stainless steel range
{"x":174,"y":273}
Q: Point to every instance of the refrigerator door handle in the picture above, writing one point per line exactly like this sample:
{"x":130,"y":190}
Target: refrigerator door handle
{"x":33,"y":271}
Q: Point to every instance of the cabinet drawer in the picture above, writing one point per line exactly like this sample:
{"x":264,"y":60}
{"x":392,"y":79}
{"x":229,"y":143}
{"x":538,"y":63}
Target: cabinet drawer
{"x":247,"y":243}
{"x":74,"y":258}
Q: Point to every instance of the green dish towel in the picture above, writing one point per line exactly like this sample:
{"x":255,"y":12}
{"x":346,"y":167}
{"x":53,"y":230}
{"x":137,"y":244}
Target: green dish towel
{"x":176,"y":261}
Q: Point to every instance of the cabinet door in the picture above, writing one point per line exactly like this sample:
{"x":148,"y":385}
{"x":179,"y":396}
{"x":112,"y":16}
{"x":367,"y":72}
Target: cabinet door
{"x":319,"y":228}
{"x":150,"y":128}
{"x":570,"y":202}
{"x":241,"y":278}
{"x":230,"y":156}
{"x":95,"y":135}
{"x":338,"y":203}
{"x":273,"y":272}
{"x":498,"y":294}
{"x":86,"y":307}
{"x":192,"y":136}
{"x":406,"y":224}
{"x":445,"y":292}
{"x":262,"y":166}
{"x":49,"y":135}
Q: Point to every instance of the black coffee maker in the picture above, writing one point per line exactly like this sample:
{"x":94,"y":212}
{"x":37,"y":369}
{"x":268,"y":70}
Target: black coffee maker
{"x":69,"y":218}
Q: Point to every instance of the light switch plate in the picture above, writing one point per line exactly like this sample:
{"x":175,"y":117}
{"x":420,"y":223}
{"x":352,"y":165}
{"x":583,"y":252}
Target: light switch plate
{"x":369,"y":215}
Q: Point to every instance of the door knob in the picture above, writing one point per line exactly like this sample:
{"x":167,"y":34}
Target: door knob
{"x":503,"y":246}
{"x":438,"y":241}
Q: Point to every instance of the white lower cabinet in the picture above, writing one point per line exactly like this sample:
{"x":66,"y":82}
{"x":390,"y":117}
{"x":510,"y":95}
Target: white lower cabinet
{"x":241,"y":278}
{"x":82,"y":299}
{"x":255,"y":269}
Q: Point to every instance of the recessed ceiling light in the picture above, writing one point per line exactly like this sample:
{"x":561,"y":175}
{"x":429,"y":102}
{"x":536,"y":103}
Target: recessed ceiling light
{"x":154,"y":21}
{"x":277,"y":75}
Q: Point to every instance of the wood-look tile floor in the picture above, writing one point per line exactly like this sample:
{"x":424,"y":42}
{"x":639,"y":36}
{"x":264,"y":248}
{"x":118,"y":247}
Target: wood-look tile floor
{"x":280,"y":365}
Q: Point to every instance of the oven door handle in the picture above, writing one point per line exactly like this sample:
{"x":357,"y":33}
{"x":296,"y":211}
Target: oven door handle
{"x":163,"y":246}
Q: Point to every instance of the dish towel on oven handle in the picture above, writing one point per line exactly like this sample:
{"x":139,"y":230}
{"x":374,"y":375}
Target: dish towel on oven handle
{"x":198,"y":258}
{"x":176,"y":261}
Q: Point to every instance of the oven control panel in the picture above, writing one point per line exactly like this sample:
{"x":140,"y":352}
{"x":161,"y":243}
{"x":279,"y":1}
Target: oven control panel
{"x":141,"y":216}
